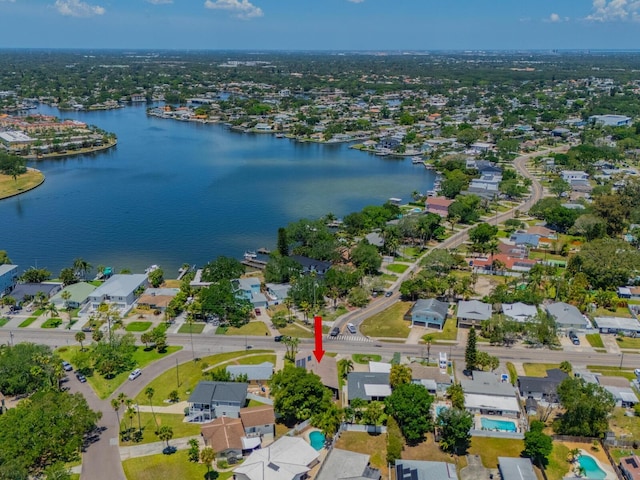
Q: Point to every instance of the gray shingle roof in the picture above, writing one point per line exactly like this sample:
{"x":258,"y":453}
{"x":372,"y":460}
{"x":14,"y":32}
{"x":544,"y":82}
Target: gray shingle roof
{"x":356,"y":382}
{"x":423,"y":470}
{"x":211,"y":392}
{"x":474,"y":310}
{"x":516,"y":468}
{"x":431,"y":305}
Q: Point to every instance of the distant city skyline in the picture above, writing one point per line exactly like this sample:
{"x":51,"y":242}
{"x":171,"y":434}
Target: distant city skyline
{"x":321,"y":25}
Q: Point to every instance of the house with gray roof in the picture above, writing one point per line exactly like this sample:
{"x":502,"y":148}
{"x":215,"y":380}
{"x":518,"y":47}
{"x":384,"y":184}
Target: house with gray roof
{"x":8,"y":278}
{"x":542,"y":388}
{"x":120,"y":290}
{"x":567,"y":316}
{"x":249,"y":289}
{"x":346,"y":465}
{"x":277,"y":292}
{"x":311,"y":265}
{"x":210,"y":400}
{"x":254,"y":373}
{"x":527,"y":239}
{"x":429,"y":313}
{"x":425,"y":470}
{"x":472,"y":313}
{"x":431,"y":378}
{"x":368,"y":386}
{"x":26,"y":291}
{"x":487,"y":393}
{"x":79,"y":295}
{"x":625,"y":326}
{"x":516,"y":468}
{"x":519,"y":312}
{"x":288,"y":458}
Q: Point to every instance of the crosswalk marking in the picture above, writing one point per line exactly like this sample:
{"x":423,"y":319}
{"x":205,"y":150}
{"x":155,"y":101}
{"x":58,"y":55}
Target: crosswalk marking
{"x":352,"y":338}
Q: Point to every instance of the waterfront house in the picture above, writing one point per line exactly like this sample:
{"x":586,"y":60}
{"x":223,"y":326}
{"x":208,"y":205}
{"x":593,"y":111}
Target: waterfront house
{"x":210,"y":400}
{"x":567,"y":316}
{"x":277,"y":292}
{"x":249,"y":289}
{"x":25,"y":292}
{"x":429,"y":313}
{"x":425,"y":470}
{"x":311,"y":265}
{"x":472,"y":313}
{"x":157,"y":298}
{"x":79,"y":295}
{"x":120,"y":290}
{"x":346,"y":465}
{"x":438,"y":205}
{"x":8,"y":278}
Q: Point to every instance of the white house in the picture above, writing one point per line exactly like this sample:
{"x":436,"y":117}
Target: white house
{"x":120,"y":290}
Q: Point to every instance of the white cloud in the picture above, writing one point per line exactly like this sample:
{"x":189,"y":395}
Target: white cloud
{"x":241,"y":8}
{"x":615,"y":10}
{"x":76,"y":8}
{"x":554,"y":17}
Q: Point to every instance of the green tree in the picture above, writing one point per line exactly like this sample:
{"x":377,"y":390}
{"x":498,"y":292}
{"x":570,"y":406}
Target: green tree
{"x":298,"y":394}
{"x":67,"y":276}
{"x":156,"y":277}
{"x":165,"y":433}
{"x":80,"y":337}
{"x":223,"y":268}
{"x":283,"y":242}
{"x":35,"y":275}
{"x":456,"y":395}
{"x":410,"y":405}
{"x":116,"y":404}
{"x":81,"y":267}
{"x":537,"y":445}
{"x":149,"y":393}
{"x":471,"y":351}
{"x":366,"y":256}
{"x":207,"y":456}
{"x":194,"y":451}
{"x":26,"y":368}
{"x":4,"y":258}
{"x":399,"y":375}
{"x":345,"y":366}
{"x":587,"y":407}
{"x":559,"y":186}
{"x":328,"y":421}
{"x":454,"y":426}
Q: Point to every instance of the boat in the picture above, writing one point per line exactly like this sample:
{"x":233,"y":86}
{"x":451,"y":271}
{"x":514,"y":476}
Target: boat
{"x":151,"y":268}
{"x":415,"y":160}
{"x":279,"y":135}
{"x":250,"y":254}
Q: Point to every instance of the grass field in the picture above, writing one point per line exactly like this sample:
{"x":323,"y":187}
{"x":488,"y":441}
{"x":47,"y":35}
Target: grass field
{"x":54,"y":322}
{"x":137,"y":326}
{"x":191,"y":328}
{"x":374,"y":445}
{"x":613,"y":371}
{"x":618,"y":312}
{"x":295,"y":330}
{"x":23,"y":183}
{"x":252,"y":328}
{"x":628,"y":343}
{"x":365,"y":358}
{"x":388,"y":323}
{"x":397,"y":267}
{"x":27,"y":322}
{"x":189,"y":374}
{"x":558,"y":465}
{"x":491,"y":448}
{"x":513,"y":374}
{"x":449,"y":332}
{"x":180,"y":429}
{"x":538,"y":369}
{"x":594,"y":340}
{"x":3,"y":321}
{"x":105,"y":387}
{"x":153,"y":467}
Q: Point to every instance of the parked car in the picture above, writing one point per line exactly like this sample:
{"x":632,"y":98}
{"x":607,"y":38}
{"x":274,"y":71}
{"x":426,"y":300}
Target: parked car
{"x":257,"y":310}
{"x":637,"y":372}
{"x":574,"y":338}
{"x":351,"y":327}
{"x":278,"y":338}
{"x":81,"y":378}
{"x":135,"y":374}
{"x":66,"y":366}
{"x":334,"y":332}
{"x":388,"y":294}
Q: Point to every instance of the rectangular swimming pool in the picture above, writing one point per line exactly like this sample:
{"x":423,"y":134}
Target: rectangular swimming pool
{"x":500,"y":425}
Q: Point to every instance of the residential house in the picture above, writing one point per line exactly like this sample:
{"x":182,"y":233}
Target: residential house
{"x":438,"y":205}
{"x":368,"y":386}
{"x":620,"y":388}
{"x":630,"y":467}
{"x":255,"y":373}
{"x":629,"y":292}
{"x":525,"y":239}
{"x":345,"y":465}
{"x":120,"y":290}
{"x":573,"y":175}
{"x":24,"y":292}
{"x":8,"y":278}
{"x":472,"y":313}
{"x":622,"y":325}
{"x":224,"y":435}
{"x":542,"y":231}
{"x":259,"y":421}
{"x":432,"y":378}
{"x":79,"y":295}
{"x":520,"y":312}
{"x":379,"y":367}
{"x":310,"y":265}
{"x":288,"y":458}
{"x":327,"y":369}
{"x":375,"y":239}
{"x":610,"y":120}
{"x":484,"y":166}
{"x":425,"y":470}
{"x":489,"y":264}
{"x":542,"y":388}
{"x":249,"y":289}
{"x":567,"y":316}
{"x":210,"y":400}
{"x":429,"y":313}
{"x":488,"y":394}
{"x":157,"y":298}
{"x":487,"y":186}
{"x":277,"y":292}
{"x":516,"y":469}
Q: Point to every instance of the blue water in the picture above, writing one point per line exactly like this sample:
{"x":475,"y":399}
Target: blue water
{"x":173,"y":192}
{"x":591,"y":468}
{"x":501,"y":425}
{"x":316,"y":439}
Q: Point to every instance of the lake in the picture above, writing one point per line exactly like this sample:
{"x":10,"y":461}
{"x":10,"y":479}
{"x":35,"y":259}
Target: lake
{"x":175,"y":192}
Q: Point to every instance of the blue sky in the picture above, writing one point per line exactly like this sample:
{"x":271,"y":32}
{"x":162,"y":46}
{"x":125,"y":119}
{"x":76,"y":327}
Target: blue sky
{"x":321,"y":24}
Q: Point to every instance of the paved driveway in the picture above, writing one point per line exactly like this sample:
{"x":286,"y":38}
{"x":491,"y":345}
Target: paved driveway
{"x":474,"y":469}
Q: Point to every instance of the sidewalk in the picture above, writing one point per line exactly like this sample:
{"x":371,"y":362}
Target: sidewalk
{"x":155,"y":447}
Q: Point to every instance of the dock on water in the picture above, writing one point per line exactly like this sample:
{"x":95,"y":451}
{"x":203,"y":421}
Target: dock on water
{"x":254,"y":263}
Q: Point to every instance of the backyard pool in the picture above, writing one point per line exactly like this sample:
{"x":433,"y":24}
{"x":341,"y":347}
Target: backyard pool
{"x":316,"y":439}
{"x":591,"y":468}
{"x":499,"y":425}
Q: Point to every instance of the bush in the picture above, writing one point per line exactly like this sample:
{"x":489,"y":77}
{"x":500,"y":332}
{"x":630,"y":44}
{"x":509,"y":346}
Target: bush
{"x":394,"y":441}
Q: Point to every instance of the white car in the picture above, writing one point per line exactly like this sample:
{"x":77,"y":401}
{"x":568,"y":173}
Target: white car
{"x":135,"y":374}
{"x":637,"y":372}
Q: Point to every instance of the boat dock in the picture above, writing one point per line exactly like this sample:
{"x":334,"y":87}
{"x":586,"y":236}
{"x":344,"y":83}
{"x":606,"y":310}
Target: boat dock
{"x":254,"y":263}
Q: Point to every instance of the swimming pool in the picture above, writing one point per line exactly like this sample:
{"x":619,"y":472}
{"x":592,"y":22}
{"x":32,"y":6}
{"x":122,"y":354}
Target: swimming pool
{"x":591,"y":468}
{"x":500,"y":425}
{"x":316,"y":438}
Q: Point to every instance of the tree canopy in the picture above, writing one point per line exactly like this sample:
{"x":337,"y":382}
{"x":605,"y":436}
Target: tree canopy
{"x":587,"y":407}
{"x":410,"y":405}
{"x":298,"y":394}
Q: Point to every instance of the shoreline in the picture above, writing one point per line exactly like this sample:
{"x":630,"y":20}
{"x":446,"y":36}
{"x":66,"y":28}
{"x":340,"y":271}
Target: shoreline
{"x":32,"y":187}
{"x":48,"y":156}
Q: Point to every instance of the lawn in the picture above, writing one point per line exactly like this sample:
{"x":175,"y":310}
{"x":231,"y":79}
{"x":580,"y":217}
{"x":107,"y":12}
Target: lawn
{"x":137,"y":326}
{"x":180,"y":429}
{"x":54,"y":322}
{"x":153,"y":467}
{"x":594,"y":340}
{"x":623,"y":425}
{"x":252,"y":328}
{"x":397,"y":267}
{"x":191,"y":328}
{"x":252,"y":360}
{"x":295,"y":330}
{"x":27,"y":322}
{"x":388,"y":323}
{"x":449,"y":332}
{"x":427,"y":449}
{"x":538,"y":369}
{"x":3,"y":321}
{"x":617,"y":454}
{"x":365,"y":358}
{"x":387,"y":277}
{"x":628,"y":343}
{"x":374,"y":445}
{"x":23,"y":183}
{"x":491,"y":448}
{"x":105,"y":387}
{"x":558,"y":465}
{"x":189,"y":374}
{"x":612,"y":371}
{"x":513,"y":374}
{"x":618,"y":312}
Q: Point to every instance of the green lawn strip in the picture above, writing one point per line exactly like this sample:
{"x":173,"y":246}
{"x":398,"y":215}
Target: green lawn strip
{"x":618,"y":312}
{"x":153,"y":467}
{"x":387,"y":277}
{"x":27,"y":322}
{"x":612,"y":371}
{"x":252,"y":360}
{"x":489,"y":449}
{"x":397,"y":267}
{"x":252,"y":328}
{"x":329,"y":314}
{"x":621,"y":424}
{"x":365,"y":358}
{"x":388,"y":323}
{"x":191,"y":328}
{"x":105,"y":387}
{"x":295,"y":330}
{"x":558,"y":465}
{"x":96,"y":283}
{"x":618,"y":453}
{"x":137,"y":326}
{"x":54,"y":322}
{"x":594,"y":340}
{"x":189,"y":374}
{"x":538,"y":369}
{"x":628,"y":343}
{"x":175,"y":421}
{"x":3,"y":321}
{"x":449,"y":332}
{"x":513,"y":374}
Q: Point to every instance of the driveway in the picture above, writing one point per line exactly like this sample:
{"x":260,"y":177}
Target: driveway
{"x":474,"y":469}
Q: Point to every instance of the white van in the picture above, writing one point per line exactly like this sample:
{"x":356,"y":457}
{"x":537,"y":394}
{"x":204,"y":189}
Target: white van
{"x":351,"y":327}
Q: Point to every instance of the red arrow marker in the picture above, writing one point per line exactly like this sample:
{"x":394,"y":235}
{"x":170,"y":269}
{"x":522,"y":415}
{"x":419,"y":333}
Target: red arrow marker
{"x":318,"y":352}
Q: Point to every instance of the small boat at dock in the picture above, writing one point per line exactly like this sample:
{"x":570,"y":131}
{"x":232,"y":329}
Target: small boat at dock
{"x":250,"y":254}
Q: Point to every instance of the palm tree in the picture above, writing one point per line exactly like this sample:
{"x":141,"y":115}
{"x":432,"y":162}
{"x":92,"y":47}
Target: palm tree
{"x":207,"y":456}
{"x":149,"y":394}
{"x":52,"y":309}
{"x":80,"y":337}
{"x":115,"y":403}
{"x":345,"y":366}
{"x":131,"y":413}
{"x":165,"y":433}
{"x":428,"y":340}
{"x":81,"y":267}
